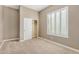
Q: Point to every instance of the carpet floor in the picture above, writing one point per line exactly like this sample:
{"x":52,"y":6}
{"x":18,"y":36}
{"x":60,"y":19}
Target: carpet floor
{"x":33,"y":46}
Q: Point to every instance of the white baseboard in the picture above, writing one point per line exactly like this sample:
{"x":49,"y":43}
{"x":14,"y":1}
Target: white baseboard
{"x":22,"y":40}
{"x":28,"y":39}
{"x":2,"y":43}
{"x":62,"y":45}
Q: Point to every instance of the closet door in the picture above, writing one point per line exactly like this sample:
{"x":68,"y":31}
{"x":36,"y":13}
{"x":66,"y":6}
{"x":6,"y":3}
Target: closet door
{"x":27,"y":28}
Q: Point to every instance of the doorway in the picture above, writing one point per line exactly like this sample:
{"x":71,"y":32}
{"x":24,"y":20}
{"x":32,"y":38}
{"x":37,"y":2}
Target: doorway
{"x":30,"y":28}
{"x":34,"y":28}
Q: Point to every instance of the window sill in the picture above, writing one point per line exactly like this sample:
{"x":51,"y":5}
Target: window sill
{"x":58,"y":35}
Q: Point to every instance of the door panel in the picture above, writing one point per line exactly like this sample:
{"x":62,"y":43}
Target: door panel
{"x":27,"y":28}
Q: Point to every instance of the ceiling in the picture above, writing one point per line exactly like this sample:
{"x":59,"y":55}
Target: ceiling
{"x":12,"y":6}
{"x":34,"y":7}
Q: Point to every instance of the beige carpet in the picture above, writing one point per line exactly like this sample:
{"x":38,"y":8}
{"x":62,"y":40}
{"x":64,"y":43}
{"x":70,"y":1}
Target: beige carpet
{"x":34,"y":46}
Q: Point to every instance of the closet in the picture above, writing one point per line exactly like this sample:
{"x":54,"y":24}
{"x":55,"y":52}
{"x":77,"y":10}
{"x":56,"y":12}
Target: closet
{"x":30,"y":28}
{"x":29,"y":23}
{"x":34,"y":28}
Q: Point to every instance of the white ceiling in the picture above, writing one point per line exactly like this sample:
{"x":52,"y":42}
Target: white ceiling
{"x":34,"y":7}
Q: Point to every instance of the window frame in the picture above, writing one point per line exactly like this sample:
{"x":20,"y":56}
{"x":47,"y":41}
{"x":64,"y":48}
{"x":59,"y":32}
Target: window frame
{"x":55,"y":34}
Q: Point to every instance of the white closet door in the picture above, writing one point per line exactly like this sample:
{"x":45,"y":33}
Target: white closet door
{"x":27,"y":28}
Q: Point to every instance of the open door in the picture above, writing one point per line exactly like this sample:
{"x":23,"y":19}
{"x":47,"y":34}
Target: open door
{"x":27,"y":28}
{"x":34,"y":28}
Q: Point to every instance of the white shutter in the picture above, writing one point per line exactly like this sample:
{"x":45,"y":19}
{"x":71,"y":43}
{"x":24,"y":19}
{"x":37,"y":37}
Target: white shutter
{"x":64,"y":21}
{"x":53,"y":23}
{"x":58,"y":22}
{"x":48,"y":24}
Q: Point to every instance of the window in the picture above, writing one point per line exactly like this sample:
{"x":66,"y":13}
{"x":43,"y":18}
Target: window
{"x":58,"y":29}
{"x":57,"y":22}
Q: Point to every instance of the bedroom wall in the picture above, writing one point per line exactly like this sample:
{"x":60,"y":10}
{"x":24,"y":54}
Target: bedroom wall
{"x":1,"y":26}
{"x":10,"y":23}
{"x":73,"y":40}
{"x":9,"y":18}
